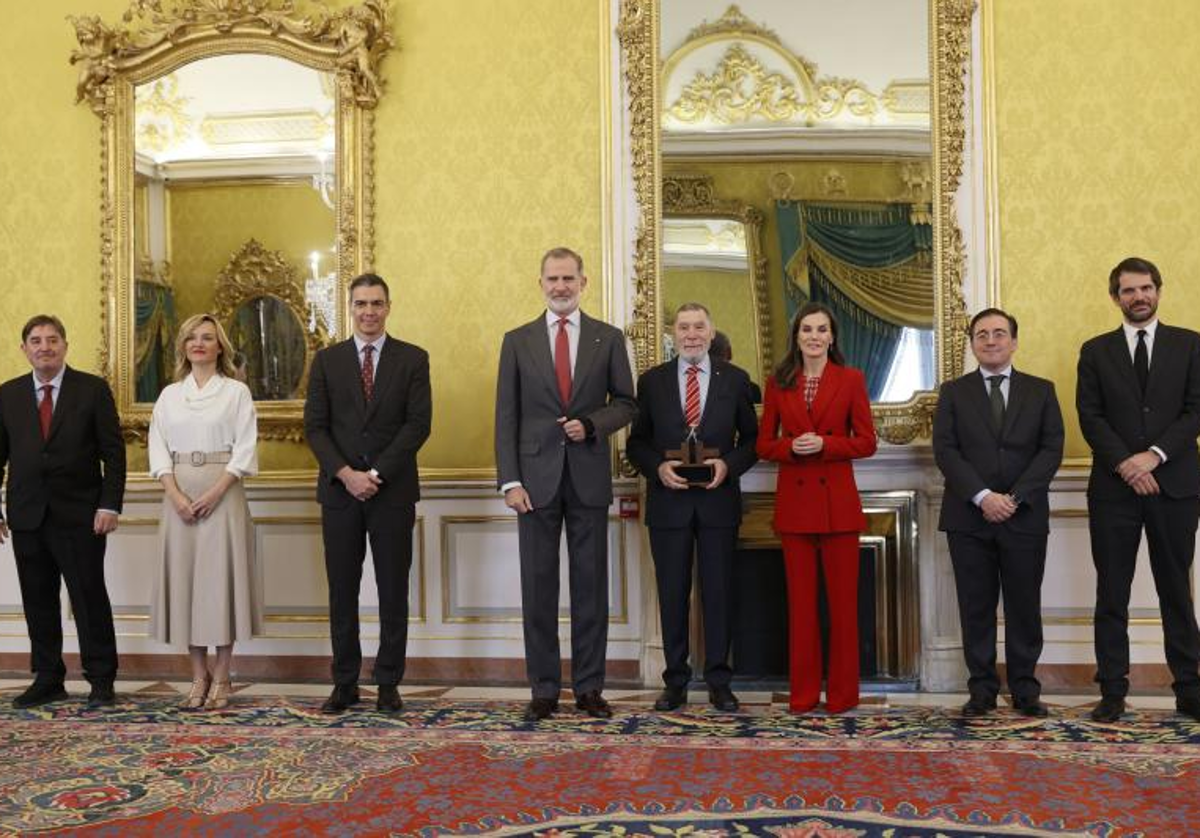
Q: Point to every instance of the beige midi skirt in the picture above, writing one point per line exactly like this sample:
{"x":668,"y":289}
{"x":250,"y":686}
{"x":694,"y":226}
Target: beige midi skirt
{"x":205,"y":594}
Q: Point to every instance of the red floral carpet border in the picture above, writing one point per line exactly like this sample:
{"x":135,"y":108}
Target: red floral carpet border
{"x":471,"y":768}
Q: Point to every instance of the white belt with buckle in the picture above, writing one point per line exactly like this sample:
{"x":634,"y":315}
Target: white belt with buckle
{"x":201,"y":458}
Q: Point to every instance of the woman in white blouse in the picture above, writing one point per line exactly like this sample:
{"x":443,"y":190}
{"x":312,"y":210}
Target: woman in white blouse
{"x":203,"y":436}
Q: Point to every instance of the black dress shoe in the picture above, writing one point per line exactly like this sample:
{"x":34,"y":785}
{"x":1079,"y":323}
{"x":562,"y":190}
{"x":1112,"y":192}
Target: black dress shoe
{"x":594,"y":705}
{"x":102,"y":695}
{"x":1109,"y":709}
{"x":671,"y":698}
{"x":341,"y":699}
{"x":1034,"y":708}
{"x":723,"y":699}
{"x":389,"y":700}
{"x":1189,"y":706}
{"x":978,"y":706}
{"x":39,"y":693}
{"x":540,"y":708}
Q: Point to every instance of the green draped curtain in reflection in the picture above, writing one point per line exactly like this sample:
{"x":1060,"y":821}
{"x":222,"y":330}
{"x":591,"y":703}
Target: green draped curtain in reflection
{"x":154,"y":333}
{"x":871,"y":264}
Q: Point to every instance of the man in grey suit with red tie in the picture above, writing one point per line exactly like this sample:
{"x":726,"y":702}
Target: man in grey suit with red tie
{"x":367,"y":414}
{"x":696,"y":395}
{"x":564,"y":386}
{"x":998,"y":440}
{"x":1138,"y":398}
{"x":61,"y":440}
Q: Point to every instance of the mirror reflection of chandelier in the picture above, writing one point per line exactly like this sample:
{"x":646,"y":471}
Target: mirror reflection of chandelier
{"x":320,"y":293}
{"x":323,"y":180}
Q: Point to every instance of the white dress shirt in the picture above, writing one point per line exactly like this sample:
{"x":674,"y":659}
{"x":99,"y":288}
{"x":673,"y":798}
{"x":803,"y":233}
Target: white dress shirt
{"x":218,"y":417}
{"x":1131,"y":340}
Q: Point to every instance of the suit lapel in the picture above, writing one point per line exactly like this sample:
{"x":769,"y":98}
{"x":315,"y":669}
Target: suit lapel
{"x":66,"y":401}
{"x":716,"y":386}
{"x":585,"y":353}
{"x":348,"y":365}
{"x":670,"y":392}
{"x":1016,"y":400}
{"x":1118,"y":350}
{"x":537,"y":339}
{"x":831,"y":382}
{"x":385,"y":371}
{"x":977,"y":394}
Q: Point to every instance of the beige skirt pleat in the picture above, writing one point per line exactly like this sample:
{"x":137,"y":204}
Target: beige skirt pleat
{"x":205,"y":592}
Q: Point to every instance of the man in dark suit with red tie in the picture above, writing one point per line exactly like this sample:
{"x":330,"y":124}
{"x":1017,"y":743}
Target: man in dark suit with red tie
{"x":694,"y":393}
{"x":60,"y":437}
{"x":564,"y":387}
{"x":367,"y":414}
{"x":1138,"y":398}
{"x":998,"y":440}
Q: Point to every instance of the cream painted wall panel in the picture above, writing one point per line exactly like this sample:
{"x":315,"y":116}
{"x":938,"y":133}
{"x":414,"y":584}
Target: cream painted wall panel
{"x":291,"y":569}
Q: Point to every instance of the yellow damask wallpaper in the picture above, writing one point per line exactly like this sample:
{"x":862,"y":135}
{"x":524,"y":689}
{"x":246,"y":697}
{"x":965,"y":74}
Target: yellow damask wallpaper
{"x":1095,"y":138}
{"x":488,"y":151}
{"x":209,"y":223}
{"x":749,"y":183}
{"x":727,"y":294}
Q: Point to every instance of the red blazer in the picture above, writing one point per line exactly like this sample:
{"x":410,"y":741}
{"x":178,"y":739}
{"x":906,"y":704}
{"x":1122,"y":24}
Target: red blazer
{"x":817,"y":493}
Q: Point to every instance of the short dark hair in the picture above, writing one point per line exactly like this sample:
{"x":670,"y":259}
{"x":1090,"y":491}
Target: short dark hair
{"x":370,"y":281}
{"x":561,"y":253}
{"x":1132,"y":265}
{"x":43,"y":320}
{"x":721,"y":347}
{"x":993,"y":312}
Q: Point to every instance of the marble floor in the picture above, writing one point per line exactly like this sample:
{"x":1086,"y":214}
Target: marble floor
{"x":630,"y":699}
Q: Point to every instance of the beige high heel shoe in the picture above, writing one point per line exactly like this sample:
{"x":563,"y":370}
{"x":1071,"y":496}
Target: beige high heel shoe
{"x":218,"y":696}
{"x":195,"y":697}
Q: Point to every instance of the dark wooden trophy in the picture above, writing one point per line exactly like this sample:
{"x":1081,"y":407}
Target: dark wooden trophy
{"x":692,"y":454}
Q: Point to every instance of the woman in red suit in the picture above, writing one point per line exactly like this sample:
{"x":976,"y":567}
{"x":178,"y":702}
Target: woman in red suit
{"x":816,"y":419}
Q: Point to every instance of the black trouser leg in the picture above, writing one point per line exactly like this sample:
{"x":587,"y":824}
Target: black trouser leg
{"x":1022,"y":566}
{"x":975,"y":557}
{"x":587,"y":561}
{"x":539,"y":533}
{"x":41,"y":587}
{"x":1115,"y":528}
{"x":79,"y":554}
{"x":344,"y":534}
{"x":672,"y":550}
{"x":714,"y":556}
{"x":1171,"y":537}
{"x":390,"y":530}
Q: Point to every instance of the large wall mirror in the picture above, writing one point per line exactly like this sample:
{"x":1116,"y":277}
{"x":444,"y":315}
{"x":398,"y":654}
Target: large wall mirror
{"x":807,"y":150}
{"x":237,"y":180}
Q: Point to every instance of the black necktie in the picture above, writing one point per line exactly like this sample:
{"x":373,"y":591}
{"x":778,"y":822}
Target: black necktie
{"x":997,"y":398}
{"x":1141,"y":361}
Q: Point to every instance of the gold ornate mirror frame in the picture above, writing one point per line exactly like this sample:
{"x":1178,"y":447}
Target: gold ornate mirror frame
{"x":155,"y":37}
{"x":252,"y":272}
{"x":950,"y":55}
{"x":691,"y":196}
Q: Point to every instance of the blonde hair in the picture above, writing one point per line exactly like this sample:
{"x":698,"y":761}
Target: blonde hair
{"x":224,"y":361}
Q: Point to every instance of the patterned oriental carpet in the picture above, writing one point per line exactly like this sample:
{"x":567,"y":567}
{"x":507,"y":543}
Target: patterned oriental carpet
{"x":275,"y":765}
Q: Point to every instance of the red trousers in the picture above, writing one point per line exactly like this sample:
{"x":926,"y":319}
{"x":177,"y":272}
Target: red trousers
{"x":838,"y":554}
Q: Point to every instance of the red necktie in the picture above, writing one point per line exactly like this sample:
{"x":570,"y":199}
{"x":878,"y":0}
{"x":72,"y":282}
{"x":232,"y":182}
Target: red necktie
{"x":562,"y":362}
{"x":368,"y":373}
{"x":692,"y":404}
{"x":46,"y":409}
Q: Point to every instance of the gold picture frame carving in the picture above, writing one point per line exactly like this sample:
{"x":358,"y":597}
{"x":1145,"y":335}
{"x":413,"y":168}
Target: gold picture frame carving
{"x":155,"y":37}
{"x":950,"y":56}
{"x":691,"y":196}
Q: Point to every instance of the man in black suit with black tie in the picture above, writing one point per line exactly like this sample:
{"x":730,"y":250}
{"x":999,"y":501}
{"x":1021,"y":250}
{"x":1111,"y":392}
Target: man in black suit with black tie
{"x":367,"y":414}
{"x":1138,"y":398}
{"x":998,"y":440}
{"x":61,"y":439}
{"x":694,"y":393}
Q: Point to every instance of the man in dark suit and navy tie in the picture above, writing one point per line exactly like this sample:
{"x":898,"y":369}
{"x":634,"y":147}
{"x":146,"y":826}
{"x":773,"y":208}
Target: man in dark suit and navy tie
{"x":367,"y":414}
{"x":564,"y":387}
{"x":61,"y":440}
{"x":1138,"y":398}
{"x":998,"y":440}
{"x":694,"y":393}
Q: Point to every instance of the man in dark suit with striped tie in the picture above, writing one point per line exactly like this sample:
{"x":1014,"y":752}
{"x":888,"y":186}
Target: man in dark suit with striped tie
{"x":367,"y":414}
{"x":698,"y":393}
{"x":1138,"y":398}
